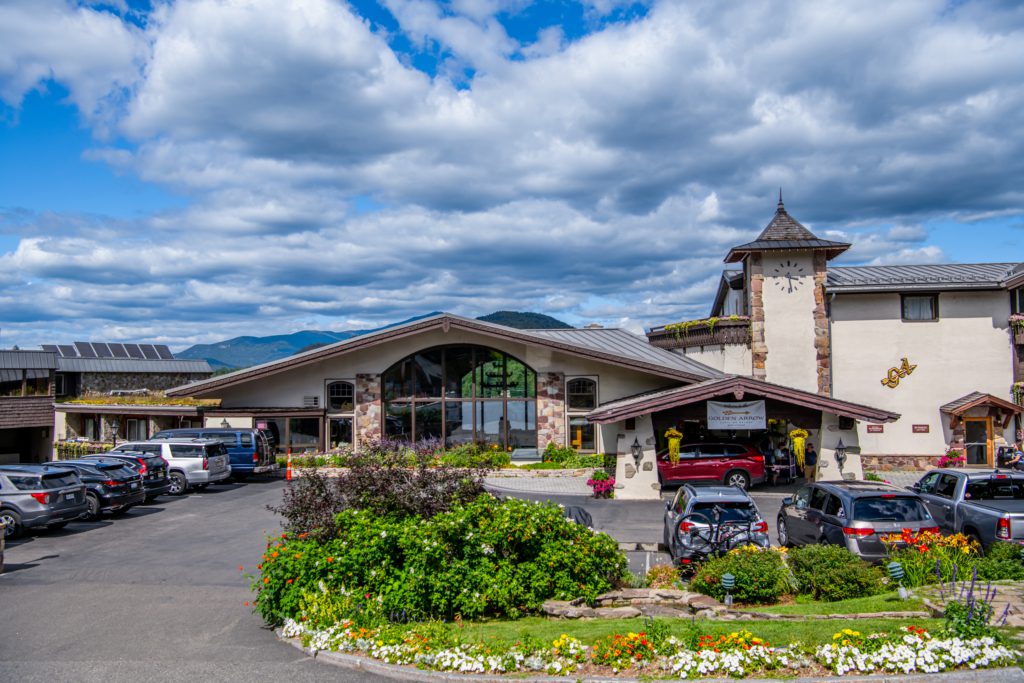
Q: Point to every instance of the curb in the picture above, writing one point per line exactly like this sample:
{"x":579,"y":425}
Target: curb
{"x":408,"y":673}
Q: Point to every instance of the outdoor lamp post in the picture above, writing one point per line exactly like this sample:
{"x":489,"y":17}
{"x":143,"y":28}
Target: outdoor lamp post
{"x":116,"y":425}
{"x":637,"y":450}
{"x":840,"y":454}
{"x":896,"y":574}
{"x":728,"y":583}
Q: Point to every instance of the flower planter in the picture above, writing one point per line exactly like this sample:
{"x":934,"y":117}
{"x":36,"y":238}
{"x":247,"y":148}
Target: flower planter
{"x":1018,"y":336}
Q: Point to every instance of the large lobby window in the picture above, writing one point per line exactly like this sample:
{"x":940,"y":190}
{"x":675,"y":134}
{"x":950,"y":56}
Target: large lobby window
{"x":462,"y":394}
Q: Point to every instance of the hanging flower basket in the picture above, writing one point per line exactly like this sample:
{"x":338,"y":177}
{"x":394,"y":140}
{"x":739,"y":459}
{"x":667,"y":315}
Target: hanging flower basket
{"x":674,"y":437}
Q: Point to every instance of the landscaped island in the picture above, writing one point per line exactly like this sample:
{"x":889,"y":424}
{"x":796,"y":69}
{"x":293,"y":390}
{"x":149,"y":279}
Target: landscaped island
{"x":408,"y":560}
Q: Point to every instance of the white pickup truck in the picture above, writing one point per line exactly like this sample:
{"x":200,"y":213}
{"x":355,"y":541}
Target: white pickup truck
{"x":985,"y":504}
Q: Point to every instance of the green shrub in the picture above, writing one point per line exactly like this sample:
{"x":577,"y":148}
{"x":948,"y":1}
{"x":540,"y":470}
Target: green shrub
{"x":1002,"y":562}
{"x":761,"y":576}
{"x":487,"y":557}
{"x":831,"y":573}
{"x":473,"y":455}
{"x":662,"y":576}
{"x":558,"y":454}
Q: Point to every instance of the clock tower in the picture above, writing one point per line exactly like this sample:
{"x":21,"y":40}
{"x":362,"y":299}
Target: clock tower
{"x":784,"y":273}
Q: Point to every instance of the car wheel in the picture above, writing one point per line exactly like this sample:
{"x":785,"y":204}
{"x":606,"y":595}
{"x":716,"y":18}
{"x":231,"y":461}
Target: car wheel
{"x":179,"y":484}
{"x":12,"y":520}
{"x":92,"y":512}
{"x":783,"y":532}
{"x":738,"y":478}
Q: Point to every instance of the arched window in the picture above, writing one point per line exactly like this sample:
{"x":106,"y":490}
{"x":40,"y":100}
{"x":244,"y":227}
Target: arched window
{"x":340,"y":397}
{"x":581,"y":394}
{"x":462,"y":394}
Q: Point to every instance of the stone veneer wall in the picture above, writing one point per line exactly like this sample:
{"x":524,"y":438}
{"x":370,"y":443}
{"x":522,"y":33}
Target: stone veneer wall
{"x":888,"y":463}
{"x":368,"y":409}
{"x":758,"y":348}
{"x":822,"y":343}
{"x":105,"y":382}
{"x":550,"y":409}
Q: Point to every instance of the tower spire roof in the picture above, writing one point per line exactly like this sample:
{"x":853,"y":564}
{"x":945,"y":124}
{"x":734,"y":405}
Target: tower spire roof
{"x":785,"y":232}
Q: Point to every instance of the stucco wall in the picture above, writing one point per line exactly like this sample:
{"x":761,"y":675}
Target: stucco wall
{"x":789,"y":321}
{"x":287,"y":389}
{"x":966,"y":350}
{"x":731,"y":358}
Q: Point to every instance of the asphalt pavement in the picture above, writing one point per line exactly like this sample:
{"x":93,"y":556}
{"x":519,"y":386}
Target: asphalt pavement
{"x":155,"y":595}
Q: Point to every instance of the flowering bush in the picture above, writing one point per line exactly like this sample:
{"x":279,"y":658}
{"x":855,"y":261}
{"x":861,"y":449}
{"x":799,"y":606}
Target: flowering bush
{"x":928,"y":557}
{"x":662,"y":576}
{"x":911,"y":650}
{"x":488,"y":557}
{"x":954,"y":457}
{"x":602,"y":483}
{"x":620,"y":652}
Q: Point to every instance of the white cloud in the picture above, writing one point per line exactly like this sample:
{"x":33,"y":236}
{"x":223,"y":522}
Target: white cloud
{"x":602,"y":179}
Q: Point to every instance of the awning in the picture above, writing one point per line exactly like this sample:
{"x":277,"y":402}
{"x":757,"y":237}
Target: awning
{"x":977,"y":399}
{"x":739,"y":388}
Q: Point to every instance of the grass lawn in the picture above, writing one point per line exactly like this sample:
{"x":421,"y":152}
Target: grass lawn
{"x":886,"y":602}
{"x":775,"y":632}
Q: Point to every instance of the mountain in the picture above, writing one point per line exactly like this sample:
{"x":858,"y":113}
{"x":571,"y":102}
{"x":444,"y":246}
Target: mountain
{"x":525,"y":321}
{"x":242,"y":352}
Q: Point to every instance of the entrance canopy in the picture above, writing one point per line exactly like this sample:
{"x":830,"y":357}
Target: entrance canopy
{"x":977,"y":399}
{"x":738,"y":388}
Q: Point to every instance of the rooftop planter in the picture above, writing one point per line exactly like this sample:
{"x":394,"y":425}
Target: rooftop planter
{"x":734,"y":329}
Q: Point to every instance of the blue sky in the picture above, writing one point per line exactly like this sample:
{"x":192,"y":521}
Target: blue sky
{"x":187,"y":171}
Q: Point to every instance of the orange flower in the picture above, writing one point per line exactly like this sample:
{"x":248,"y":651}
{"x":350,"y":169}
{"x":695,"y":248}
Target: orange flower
{"x":298,"y":556}
{"x":266,"y":580}
{"x":241,"y":568}
{"x":274,"y":554}
{"x":289,"y":581}
{"x":330,"y":559}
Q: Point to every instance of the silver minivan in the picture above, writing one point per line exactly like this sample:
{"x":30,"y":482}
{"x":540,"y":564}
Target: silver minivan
{"x":191,"y":463}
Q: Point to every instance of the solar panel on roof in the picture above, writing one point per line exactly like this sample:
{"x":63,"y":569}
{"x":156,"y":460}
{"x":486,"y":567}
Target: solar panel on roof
{"x":133,"y":351}
{"x":85,"y":350}
{"x":102,"y":350}
{"x":149,"y":352}
{"x":67,"y":351}
{"x":164,"y":352}
{"x":118,"y":350}
{"x":52,"y":348}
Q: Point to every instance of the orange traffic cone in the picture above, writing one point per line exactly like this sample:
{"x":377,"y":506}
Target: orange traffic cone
{"x":288,"y":472}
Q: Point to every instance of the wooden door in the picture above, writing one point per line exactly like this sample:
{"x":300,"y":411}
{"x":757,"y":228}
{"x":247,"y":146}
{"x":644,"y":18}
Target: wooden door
{"x":978,"y":441}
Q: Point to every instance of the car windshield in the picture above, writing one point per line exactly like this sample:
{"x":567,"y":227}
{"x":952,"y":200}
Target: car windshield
{"x":894,"y":509}
{"x":730,"y":512}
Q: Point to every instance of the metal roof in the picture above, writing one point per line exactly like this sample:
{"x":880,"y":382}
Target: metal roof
{"x":945,"y":276}
{"x":25,"y":360}
{"x":738,"y":386}
{"x":613,"y":346}
{"x":132,"y":365}
{"x":627,"y":344}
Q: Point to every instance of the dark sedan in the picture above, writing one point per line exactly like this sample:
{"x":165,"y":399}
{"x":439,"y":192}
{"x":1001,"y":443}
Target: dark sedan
{"x":110,"y":485}
{"x":853,"y":514}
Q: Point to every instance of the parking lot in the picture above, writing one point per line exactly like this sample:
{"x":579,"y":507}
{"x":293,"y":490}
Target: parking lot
{"x":154,"y":595}
{"x":157,"y":593}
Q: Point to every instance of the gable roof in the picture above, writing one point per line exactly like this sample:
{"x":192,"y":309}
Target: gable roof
{"x":977,"y":398}
{"x":932,"y":277}
{"x":614,"y":346}
{"x":739,"y":385}
{"x":785,"y":232}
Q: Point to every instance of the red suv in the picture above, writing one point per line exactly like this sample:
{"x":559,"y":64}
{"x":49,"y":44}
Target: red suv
{"x":730,"y":463}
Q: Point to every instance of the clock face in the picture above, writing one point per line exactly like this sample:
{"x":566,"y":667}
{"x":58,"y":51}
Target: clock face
{"x":788,"y":276}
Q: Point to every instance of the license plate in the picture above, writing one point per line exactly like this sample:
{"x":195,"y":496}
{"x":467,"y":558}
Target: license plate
{"x":69,"y":496}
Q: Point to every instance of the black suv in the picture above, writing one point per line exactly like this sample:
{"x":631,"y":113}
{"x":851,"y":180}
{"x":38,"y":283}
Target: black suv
{"x":853,"y":514}
{"x":151,"y":467}
{"x":702,"y":521}
{"x":111,"y":485}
